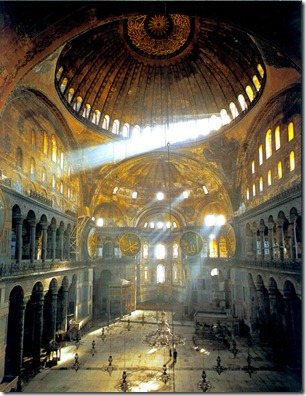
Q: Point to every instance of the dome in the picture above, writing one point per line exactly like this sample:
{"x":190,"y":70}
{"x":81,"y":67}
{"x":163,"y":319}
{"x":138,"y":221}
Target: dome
{"x":142,"y":72}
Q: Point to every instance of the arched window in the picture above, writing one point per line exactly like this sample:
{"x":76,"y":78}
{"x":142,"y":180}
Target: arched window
{"x":234,"y":110}
{"x":32,"y":167}
{"x":269,"y":177}
{"x":64,"y":85}
{"x":44,"y":175}
{"x":99,"y":222}
{"x":61,"y":159}
{"x":115,"y":128}
{"x":53,"y":182}
{"x":292,"y":161}
{"x":242,"y":102}
{"x":268,"y":144}
{"x":256,"y":83}
{"x":62,"y":187}
{"x":204,"y":252}
{"x":70,"y":95}
{"x":146,"y":278}
{"x":125,"y":130}
{"x":224,"y":117}
{"x":260,"y":184}
{"x":145,"y":251}
{"x":59,"y":73}
{"x":261,"y":70}
{"x":86,"y":111}
{"x":78,"y":103}
{"x":253,"y":167}
{"x":96,"y":117}
{"x":213,"y":247}
{"x":277,"y":138}
{"x":250,"y":93}
{"x":136,"y":131}
{"x":260,"y":154}
{"x":160,"y":273}
{"x":290,"y":131}
{"x":175,"y":250}
{"x":160,"y":251}
{"x":106,"y":120}
{"x":53,"y":148}
{"x":68,"y":193}
{"x":247,"y":194}
{"x":222,"y":247}
{"x":280,"y":170}
{"x":254,"y":190}
{"x":19,"y":157}
{"x":45,"y":143}
{"x":175,"y":274}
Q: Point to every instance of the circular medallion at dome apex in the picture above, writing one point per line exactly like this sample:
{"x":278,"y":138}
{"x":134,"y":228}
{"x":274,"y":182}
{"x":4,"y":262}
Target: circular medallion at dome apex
{"x":159,"y":36}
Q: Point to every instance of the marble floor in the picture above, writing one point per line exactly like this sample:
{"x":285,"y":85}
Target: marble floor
{"x":151,"y":369}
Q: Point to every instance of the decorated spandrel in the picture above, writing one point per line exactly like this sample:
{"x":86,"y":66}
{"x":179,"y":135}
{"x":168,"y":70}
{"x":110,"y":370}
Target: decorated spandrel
{"x":191,"y":243}
{"x":130,"y":244}
{"x":92,"y":243}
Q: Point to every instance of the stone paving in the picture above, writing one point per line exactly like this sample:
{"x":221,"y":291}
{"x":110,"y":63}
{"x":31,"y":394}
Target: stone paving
{"x":143,"y":363}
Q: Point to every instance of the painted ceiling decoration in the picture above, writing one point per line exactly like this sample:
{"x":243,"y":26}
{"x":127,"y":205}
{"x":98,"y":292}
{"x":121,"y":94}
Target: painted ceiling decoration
{"x":159,"y":35}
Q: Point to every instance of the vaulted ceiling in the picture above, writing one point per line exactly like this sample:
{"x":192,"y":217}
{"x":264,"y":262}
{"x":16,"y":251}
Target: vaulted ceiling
{"x":169,"y":66}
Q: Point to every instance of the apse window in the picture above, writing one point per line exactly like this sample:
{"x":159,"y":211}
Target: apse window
{"x":205,"y":190}
{"x":145,"y":250}
{"x":160,"y":225}
{"x":280,"y":170}
{"x":253,"y":167}
{"x":160,"y":196}
{"x":214,"y":220}
{"x":268,"y":144}
{"x":100,"y":222}
{"x":160,"y":273}
{"x":260,"y":155}
{"x":277,"y":138}
{"x":269,"y":177}
{"x":292,"y":161}
{"x":160,"y":252}
{"x":290,"y":131}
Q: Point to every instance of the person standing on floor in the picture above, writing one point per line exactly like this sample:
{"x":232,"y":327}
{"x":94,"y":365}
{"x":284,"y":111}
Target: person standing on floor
{"x":174,"y":355}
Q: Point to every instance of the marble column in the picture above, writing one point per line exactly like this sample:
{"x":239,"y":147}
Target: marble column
{"x":61,"y":242}
{"x":32,"y":223}
{"x":262,"y":240}
{"x":53,"y":241}
{"x":19,"y":223}
{"x":44,"y":241}
{"x":271,"y":239}
{"x":293,"y":241}
{"x":280,"y":231}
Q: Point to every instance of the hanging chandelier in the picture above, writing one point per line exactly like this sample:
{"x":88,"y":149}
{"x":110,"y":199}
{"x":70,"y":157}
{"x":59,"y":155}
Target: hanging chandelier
{"x":163,"y":337}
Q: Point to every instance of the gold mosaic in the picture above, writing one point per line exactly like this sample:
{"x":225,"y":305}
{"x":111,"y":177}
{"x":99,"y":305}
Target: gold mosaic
{"x":159,"y":35}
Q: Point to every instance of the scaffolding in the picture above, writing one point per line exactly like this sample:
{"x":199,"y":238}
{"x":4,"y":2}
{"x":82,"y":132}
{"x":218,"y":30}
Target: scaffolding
{"x":77,"y":236}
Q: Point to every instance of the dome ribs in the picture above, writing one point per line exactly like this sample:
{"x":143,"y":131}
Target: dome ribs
{"x":149,"y":89}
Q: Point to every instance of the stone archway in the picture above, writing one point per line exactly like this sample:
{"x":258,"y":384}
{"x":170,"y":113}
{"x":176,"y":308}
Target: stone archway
{"x":14,"y":345}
